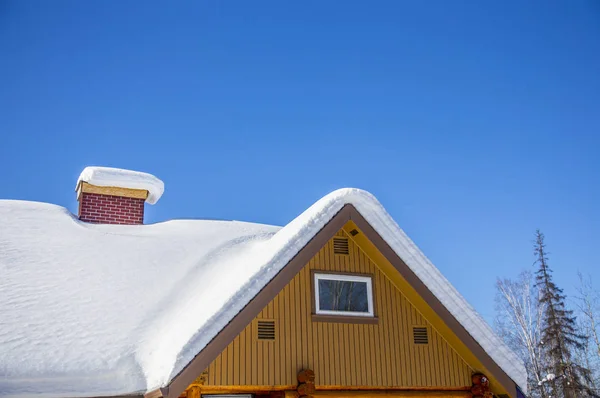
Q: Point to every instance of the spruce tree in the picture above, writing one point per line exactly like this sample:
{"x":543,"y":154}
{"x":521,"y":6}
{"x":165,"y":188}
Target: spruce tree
{"x":560,"y":339}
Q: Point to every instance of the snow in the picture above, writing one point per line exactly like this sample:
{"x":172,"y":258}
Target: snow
{"x":111,"y":177}
{"x":83,"y":303}
{"x":548,"y":377}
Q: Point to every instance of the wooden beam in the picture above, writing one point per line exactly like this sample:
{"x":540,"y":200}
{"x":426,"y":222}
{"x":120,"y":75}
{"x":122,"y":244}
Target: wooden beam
{"x":193,"y":392}
{"x":265,"y":389}
{"x":113,"y":191}
{"x":242,"y":389}
{"x":408,"y":388}
{"x":394,"y":393}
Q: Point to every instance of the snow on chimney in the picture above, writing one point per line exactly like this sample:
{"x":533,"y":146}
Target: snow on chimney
{"x":116,"y":196}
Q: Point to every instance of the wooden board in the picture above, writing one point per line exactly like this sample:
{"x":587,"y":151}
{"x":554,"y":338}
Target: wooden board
{"x":113,"y":191}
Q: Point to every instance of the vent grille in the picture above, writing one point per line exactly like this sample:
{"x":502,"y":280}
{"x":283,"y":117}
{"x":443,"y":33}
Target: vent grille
{"x":266,"y":330}
{"x":420,"y":335}
{"x":340,"y":246}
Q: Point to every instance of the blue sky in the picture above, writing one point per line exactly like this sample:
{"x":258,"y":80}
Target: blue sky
{"x":473,"y":122}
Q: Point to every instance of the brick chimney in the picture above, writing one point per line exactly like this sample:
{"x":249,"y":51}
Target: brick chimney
{"x":115,"y":196}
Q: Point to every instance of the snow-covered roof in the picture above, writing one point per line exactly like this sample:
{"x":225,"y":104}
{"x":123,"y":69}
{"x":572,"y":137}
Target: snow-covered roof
{"x":91,"y":310}
{"x":121,"y":178}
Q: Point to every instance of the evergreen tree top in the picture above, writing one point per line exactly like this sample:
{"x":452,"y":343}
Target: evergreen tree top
{"x":560,"y":338}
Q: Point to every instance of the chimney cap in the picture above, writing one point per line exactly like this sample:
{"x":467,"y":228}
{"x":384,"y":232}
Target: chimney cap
{"x":121,"y":178}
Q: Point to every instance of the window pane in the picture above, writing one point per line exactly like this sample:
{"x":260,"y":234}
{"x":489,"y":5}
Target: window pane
{"x":343,"y":296}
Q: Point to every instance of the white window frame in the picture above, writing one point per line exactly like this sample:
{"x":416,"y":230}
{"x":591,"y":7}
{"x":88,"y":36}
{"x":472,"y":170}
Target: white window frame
{"x":346,"y":278}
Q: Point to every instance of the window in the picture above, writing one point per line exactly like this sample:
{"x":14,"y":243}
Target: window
{"x":343,"y":294}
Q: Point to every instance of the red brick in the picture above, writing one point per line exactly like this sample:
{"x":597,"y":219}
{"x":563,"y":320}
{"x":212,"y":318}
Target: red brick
{"x":109,"y":209}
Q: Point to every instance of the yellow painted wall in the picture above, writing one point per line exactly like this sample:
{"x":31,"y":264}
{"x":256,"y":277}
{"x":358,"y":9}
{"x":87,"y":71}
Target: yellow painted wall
{"x":341,"y":354}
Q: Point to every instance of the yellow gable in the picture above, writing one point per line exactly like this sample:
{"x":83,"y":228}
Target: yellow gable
{"x":404,"y":347}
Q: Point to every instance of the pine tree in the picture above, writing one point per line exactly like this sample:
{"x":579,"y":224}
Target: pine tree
{"x":565,"y":377}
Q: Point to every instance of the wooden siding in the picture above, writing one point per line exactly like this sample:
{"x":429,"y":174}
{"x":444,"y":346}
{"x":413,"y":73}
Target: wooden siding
{"x":341,"y":354}
{"x":113,"y":191}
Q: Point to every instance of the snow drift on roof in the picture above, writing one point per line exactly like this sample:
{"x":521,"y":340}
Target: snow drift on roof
{"x":111,"y":177}
{"x":79,"y":301}
{"x":120,"y":303}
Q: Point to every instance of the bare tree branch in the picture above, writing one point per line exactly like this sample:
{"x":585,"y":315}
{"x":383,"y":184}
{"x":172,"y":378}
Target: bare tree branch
{"x":519,"y":319}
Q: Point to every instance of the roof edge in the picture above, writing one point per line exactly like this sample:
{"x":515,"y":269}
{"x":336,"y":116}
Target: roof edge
{"x":158,"y":393}
{"x":190,"y":372}
{"x":430,"y":298}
